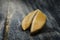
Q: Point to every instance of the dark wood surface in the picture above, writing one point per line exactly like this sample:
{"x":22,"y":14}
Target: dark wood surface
{"x":18,"y":9}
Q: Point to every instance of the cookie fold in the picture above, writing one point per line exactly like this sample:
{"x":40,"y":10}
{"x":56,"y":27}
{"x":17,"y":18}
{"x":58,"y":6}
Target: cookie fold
{"x":38,"y":21}
{"x":28,"y":20}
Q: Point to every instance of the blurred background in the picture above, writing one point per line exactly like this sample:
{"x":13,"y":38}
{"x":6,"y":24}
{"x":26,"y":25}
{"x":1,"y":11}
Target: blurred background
{"x":18,"y":9}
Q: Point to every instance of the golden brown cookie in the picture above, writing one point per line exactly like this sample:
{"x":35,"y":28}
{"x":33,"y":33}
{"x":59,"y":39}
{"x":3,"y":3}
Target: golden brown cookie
{"x":38,"y":21}
{"x":27,"y":20}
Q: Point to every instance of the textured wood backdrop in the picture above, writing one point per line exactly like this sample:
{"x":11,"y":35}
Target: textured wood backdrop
{"x":18,"y":9}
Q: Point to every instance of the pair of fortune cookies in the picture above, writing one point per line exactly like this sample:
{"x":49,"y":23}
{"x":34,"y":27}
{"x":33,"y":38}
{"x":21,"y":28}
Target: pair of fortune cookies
{"x":36,"y":19}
